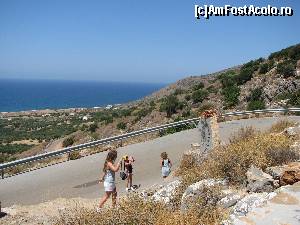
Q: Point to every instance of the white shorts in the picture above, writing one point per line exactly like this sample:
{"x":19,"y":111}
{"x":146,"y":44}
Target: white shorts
{"x":109,"y":186}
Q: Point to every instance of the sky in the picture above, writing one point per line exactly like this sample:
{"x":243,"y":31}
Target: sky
{"x":137,"y":41}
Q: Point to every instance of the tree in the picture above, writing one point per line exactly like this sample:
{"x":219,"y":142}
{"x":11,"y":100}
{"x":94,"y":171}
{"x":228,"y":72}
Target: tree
{"x":286,"y":68}
{"x":199,"y":95}
{"x":93,"y":127}
{"x":169,"y":105}
{"x":231,"y":95}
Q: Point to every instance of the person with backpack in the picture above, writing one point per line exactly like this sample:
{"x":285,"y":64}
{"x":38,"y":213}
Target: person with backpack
{"x":128,"y":161}
{"x":166,"y":165}
{"x":108,"y":178}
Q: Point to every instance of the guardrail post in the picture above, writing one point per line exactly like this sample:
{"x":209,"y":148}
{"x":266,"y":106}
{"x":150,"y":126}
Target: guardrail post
{"x":2,"y":173}
{"x":121,"y":143}
{"x":69,"y":156}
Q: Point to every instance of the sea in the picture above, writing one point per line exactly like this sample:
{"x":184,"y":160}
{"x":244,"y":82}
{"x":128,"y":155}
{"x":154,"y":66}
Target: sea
{"x":21,"y":95}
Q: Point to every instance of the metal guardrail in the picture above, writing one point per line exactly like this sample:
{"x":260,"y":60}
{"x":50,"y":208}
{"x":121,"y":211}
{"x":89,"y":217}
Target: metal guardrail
{"x":129,"y":135}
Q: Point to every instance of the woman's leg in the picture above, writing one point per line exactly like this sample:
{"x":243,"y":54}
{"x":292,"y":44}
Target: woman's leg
{"x":104,"y":198}
{"x":130,"y":180}
{"x":114,"y":197}
{"x":127,"y":185}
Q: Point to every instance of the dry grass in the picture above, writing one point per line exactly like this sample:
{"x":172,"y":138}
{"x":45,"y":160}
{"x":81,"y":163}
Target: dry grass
{"x":135,"y":211}
{"x":232,"y":161}
{"x":281,"y":125}
{"x":243,"y":133}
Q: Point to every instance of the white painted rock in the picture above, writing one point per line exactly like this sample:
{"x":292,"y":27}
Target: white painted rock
{"x":166,"y":193}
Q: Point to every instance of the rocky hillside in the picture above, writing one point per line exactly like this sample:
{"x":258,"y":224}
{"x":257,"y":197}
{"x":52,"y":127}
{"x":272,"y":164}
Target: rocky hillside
{"x":271,"y":82}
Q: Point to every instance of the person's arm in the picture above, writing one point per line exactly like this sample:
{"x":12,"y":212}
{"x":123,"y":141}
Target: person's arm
{"x":161,"y":163}
{"x":170,"y":163}
{"x":113,"y":167}
{"x":102,"y":177}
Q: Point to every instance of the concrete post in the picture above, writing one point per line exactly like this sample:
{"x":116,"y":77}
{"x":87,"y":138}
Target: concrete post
{"x":209,"y":131}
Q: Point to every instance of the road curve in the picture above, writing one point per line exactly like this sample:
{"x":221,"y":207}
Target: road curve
{"x":78,"y":178}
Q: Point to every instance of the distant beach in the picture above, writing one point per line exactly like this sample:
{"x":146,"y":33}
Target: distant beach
{"x":23,"y":95}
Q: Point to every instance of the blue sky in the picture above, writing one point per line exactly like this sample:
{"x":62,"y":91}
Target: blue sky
{"x":142,"y":41}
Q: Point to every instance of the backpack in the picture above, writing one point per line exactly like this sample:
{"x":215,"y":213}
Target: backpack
{"x":123,"y":175}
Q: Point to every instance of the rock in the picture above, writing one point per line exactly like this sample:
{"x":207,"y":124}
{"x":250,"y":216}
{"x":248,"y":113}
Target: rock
{"x":258,"y":181}
{"x":166,"y":193}
{"x":195,"y":190}
{"x":292,"y":131}
{"x":281,"y":208}
{"x":230,"y":200}
{"x":275,"y":171}
{"x":291,"y":174}
{"x":250,"y":202}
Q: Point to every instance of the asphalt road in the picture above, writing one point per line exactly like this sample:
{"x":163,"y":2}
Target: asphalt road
{"x":78,"y":178}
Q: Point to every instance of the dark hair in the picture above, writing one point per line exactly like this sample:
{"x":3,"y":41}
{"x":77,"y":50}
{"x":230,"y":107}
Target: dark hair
{"x":164,"y":155}
{"x":111,"y":157}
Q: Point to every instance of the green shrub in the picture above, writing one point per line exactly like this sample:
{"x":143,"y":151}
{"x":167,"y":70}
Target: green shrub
{"x":264,"y":68}
{"x":295,"y":99}
{"x":257,"y":104}
{"x":68,"y":141}
{"x":231,"y":95}
{"x":199,"y":95}
{"x":169,"y":105}
{"x":255,"y":100}
{"x":292,"y":52}
{"x":247,"y":70}
{"x":286,"y":68}
{"x":178,"y":91}
{"x":187,"y":97}
{"x":121,"y":126}
{"x":198,"y":86}
{"x":93,"y":127}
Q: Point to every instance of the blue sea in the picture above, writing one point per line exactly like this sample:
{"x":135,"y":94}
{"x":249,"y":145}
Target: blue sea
{"x":19,"y":95}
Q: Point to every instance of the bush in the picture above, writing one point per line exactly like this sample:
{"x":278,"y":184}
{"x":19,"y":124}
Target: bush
{"x":135,"y":211}
{"x":246,"y":72}
{"x":264,"y":68}
{"x":187,"y":97}
{"x":295,"y":99}
{"x":199,"y":95}
{"x":233,"y":161}
{"x":206,"y":106}
{"x":287,"y":69}
{"x":68,"y":141}
{"x":255,"y":105}
{"x":281,"y":125}
{"x":121,"y":126}
{"x":198,"y":86}
{"x":255,"y":100}
{"x":93,"y":127}
{"x":169,"y":105}
{"x":132,"y":211}
{"x":231,"y":95}
{"x":292,"y":52}
{"x":74,"y":155}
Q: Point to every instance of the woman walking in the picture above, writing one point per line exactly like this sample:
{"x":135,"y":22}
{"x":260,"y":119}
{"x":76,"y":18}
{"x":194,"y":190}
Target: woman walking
{"x":165,"y":165}
{"x":108,"y":177}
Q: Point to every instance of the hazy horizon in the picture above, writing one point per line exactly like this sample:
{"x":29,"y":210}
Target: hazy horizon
{"x":147,"y":42}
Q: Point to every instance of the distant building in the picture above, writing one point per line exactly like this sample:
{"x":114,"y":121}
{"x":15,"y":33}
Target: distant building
{"x":108,"y":107}
{"x":85,"y":118}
